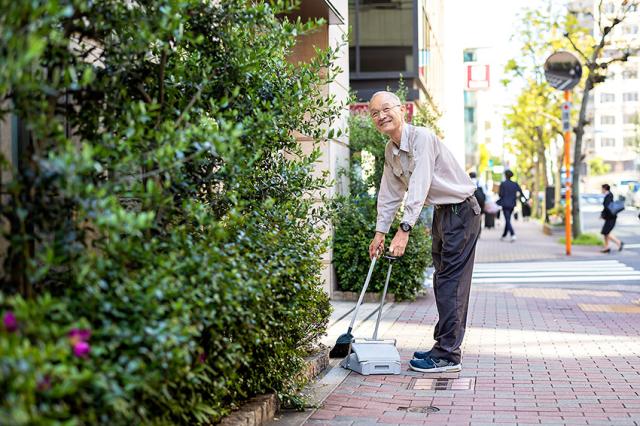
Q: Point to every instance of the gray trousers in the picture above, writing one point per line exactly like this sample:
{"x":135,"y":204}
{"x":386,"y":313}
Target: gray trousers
{"x":455,"y":233}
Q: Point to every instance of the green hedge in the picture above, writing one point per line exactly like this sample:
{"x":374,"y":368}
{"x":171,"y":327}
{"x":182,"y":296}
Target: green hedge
{"x":164,"y":253}
{"x":354,"y":229}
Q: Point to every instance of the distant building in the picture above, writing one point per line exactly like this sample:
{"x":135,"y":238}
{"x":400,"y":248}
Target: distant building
{"x":614,"y":105}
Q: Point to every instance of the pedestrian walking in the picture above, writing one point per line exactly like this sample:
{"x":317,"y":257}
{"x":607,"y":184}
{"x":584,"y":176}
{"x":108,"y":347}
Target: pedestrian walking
{"x":609,"y":217}
{"x":419,"y":165}
{"x":509,"y":191}
{"x":490,"y":210}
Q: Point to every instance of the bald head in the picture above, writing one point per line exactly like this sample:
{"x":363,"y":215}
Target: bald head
{"x":389,"y":96}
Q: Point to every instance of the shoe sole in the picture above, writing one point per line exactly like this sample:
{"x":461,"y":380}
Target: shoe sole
{"x":448,"y":369}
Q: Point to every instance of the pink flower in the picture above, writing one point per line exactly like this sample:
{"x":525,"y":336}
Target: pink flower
{"x":81,"y":349}
{"x":10,"y":321}
{"x":202,"y":358}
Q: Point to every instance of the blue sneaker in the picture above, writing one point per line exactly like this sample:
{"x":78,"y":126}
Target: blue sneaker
{"x":422,"y":354}
{"x":434,"y":365}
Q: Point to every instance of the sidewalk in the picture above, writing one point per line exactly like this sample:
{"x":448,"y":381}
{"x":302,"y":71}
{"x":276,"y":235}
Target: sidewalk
{"x":531,"y":244}
{"x":533,"y":354}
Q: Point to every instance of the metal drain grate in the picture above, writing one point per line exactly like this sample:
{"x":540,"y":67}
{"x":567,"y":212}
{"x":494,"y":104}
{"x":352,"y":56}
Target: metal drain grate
{"x":423,"y":410}
{"x":464,"y":383}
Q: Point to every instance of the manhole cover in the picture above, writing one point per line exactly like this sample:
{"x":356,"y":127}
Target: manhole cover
{"x":463,"y":383}
{"x":423,"y":410}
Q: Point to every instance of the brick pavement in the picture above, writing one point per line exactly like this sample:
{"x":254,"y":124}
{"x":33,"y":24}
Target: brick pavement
{"x":531,"y":244}
{"x":534,"y":355}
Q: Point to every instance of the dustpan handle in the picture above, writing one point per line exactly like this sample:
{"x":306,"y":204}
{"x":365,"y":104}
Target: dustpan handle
{"x":384,"y":295}
{"x":364,"y":290}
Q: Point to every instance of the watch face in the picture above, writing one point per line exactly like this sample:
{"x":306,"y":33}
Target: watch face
{"x":405,"y":227}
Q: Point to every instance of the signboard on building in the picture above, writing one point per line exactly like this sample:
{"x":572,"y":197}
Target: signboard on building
{"x":363,"y":108}
{"x":477,"y":77}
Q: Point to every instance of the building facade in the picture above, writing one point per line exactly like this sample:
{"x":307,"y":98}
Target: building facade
{"x":614,"y":105}
{"x":392,"y":40}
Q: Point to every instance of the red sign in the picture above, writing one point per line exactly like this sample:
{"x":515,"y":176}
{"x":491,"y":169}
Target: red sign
{"x":363,"y":108}
{"x":477,"y":77}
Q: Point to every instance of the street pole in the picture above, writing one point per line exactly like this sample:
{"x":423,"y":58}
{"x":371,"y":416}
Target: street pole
{"x":563,"y":71}
{"x":567,"y":194}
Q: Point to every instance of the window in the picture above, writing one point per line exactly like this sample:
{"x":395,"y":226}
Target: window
{"x":470,"y":56}
{"x":469,"y":115}
{"x":629,"y":74}
{"x":382,"y":36}
{"x":588,"y":143}
{"x":607,"y":119}
{"x":630,"y":141}
{"x":630,"y":119}
{"x":607,"y":97}
{"x":609,"y":8}
{"x":630,"y":96}
{"x":608,"y":142}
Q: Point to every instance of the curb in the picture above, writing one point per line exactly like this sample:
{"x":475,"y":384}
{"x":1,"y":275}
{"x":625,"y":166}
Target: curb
{"x":262,"y":409}
{"x":351,"y":296}
{"x":257,"y":411}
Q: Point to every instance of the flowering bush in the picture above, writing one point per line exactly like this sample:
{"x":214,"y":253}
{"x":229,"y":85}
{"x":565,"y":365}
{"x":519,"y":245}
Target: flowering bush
{"x":161,"y":204}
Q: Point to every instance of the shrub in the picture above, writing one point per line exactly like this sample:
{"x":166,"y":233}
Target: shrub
{"x":585,"y":239}
{"x":354,"y":228}
{"x":161,"y":200}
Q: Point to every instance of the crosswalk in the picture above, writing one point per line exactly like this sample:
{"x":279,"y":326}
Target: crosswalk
{"x":560,"y":271}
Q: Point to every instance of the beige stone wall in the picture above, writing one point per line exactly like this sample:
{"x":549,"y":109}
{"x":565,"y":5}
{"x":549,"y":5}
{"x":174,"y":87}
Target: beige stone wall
{"x":334,"y":151}
{"x":5,"y":174}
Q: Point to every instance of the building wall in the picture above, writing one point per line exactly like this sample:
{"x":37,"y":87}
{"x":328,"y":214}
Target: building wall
{"x":334,"y":151}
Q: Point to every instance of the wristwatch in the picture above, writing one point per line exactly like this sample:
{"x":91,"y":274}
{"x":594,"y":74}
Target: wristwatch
{"x":405,"y":227}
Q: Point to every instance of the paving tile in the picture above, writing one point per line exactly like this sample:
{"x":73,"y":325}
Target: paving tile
{"x":537,"y":357}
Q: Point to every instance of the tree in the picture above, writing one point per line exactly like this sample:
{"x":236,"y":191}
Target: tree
{"x":534,"y":118}
{"x":597,"y":66}
{"x":598,"y":167}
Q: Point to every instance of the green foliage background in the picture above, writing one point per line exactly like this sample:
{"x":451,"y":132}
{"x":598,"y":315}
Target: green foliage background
{"x":160,"y":200}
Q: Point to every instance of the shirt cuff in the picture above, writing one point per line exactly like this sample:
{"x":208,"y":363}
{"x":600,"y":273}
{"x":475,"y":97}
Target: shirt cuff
{"x":382,"y":227}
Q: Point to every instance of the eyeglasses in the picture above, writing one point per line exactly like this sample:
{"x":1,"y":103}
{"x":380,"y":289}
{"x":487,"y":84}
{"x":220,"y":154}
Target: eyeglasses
{"x":375,"y":114}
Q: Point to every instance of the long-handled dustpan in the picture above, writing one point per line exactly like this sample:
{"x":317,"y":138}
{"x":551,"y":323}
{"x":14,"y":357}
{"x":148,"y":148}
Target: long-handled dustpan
{"x":375,"y":356}
{"x":341,"y":348}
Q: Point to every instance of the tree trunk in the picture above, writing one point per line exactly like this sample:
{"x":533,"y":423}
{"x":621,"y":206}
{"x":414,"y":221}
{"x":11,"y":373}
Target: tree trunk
{"x":577,"y":159}
{"x":557,"y":193}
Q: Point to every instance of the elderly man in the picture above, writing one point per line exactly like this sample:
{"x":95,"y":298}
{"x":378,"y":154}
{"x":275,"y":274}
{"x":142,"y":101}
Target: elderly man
{"x":419,"y":165}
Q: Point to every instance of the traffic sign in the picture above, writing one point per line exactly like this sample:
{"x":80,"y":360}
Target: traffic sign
{"x":566,"y":116}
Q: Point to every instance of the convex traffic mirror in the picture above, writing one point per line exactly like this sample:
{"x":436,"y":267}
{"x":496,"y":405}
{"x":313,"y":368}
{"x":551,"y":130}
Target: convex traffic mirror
{"x":563,"y":70}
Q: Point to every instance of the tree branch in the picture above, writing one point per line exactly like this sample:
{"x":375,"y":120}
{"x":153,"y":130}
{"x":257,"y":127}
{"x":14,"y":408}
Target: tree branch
{"x":144,"y":93}
{"x":189,"y":105}
{"x":600,"y":16}
{"x":568,"y":37}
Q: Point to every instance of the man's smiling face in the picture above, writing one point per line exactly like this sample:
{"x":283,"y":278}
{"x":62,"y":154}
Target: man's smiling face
{"x":386,"y":113}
